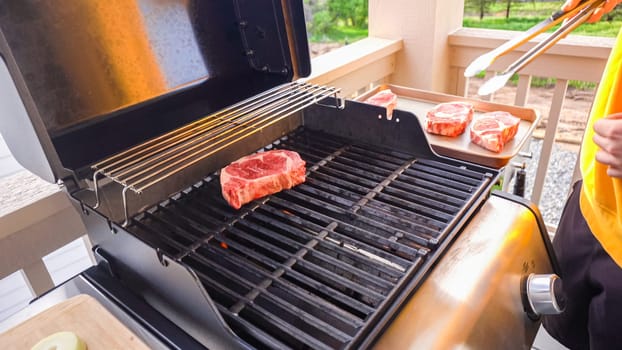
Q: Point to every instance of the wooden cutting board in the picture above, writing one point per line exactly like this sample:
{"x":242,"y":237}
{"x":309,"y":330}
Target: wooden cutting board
{"x":84,"y":316}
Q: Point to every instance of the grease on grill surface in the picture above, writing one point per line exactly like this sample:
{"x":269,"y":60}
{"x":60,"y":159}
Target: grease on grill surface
{"x":314,"y":266}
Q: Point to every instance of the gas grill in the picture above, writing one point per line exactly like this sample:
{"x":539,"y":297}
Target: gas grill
{"x":137,"y":141}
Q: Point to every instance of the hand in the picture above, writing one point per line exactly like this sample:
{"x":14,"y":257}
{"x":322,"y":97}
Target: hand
{"x":608,"y":136}
{"x":605,"y":8}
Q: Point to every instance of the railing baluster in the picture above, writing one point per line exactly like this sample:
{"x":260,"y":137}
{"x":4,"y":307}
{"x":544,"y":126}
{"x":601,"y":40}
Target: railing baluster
{"x":522,"y":90}
{"x":38,"y":276}
{"x":522,"y":94}
{"x":549,"y":138}
{"x":491,"y":97}
{"x":462,"y":83}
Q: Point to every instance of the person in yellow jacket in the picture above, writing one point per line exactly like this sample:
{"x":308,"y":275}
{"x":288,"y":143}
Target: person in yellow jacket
{"x":588,"y":241}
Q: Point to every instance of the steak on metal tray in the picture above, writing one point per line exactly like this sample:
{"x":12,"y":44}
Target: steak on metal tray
{"x":449,"y":119}
{"x":494,"y":130}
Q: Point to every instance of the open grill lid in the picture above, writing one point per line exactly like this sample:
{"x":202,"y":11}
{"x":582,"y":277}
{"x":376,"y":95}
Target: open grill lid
{"x":91,"y":79}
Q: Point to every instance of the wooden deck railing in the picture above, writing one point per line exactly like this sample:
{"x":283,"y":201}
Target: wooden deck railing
{"x":33,"y":231}
{"x":357,"y":67}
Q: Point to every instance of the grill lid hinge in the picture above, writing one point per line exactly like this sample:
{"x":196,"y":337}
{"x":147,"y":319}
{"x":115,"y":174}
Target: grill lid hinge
{"x":70,"y":184}
{"x":259,"y":36}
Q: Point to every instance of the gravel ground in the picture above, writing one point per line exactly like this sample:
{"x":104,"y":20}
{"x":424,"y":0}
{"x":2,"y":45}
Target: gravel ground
{"x":557,"y":180}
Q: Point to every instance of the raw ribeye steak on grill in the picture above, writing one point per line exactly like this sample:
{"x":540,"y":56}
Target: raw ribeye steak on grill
{"x":261,"y":174}
{"x":494,"y":130}
{"x":384,"y":98}
{"x":449,"y":119}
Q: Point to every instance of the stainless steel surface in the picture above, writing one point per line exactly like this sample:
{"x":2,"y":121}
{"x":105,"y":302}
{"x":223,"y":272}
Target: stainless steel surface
{"x":542,"y":294}
{"x":472,"y":298}
{"x":83,"y":59}
{"x":76,"y":286}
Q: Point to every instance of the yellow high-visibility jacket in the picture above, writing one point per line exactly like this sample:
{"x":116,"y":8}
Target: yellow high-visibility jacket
{"x":601,"y":195}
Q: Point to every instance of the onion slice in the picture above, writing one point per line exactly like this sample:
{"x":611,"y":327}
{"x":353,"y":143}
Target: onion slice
{"x":60,"y":341}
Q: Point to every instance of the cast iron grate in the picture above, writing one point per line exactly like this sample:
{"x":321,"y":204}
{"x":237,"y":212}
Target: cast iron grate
{"x":318,"y":265}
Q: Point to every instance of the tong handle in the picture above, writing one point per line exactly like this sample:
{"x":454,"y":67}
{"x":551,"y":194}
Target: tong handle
{"x":484,"y":61}
{"x":584,"y":13}
{"x":501,"y":79}
{"x":553,"y":20}
{"x":563,"y":14}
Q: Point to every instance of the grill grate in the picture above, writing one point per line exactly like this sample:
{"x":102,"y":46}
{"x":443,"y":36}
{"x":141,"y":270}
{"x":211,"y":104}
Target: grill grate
{"x":316,"y":266}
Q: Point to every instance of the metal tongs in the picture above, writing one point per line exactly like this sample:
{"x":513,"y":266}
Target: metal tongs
{"x":573,"y":18}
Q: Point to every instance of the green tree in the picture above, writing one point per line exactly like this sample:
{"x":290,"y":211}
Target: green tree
{"x":481,"y":6}
{"x":321,"y":23}
{"x":353,"y":12}
{"x":317,"y":17}
{"x":508,"y":7}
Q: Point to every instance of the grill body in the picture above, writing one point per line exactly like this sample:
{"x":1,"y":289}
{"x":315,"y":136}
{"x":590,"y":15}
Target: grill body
{"x":320,"y":265}
{"x":376,"y":237}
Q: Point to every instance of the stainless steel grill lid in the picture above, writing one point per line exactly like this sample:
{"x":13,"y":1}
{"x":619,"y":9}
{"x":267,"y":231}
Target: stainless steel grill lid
{"x":109,"y":75}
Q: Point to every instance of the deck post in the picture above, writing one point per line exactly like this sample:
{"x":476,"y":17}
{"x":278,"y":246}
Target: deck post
{"x":424,"y":27}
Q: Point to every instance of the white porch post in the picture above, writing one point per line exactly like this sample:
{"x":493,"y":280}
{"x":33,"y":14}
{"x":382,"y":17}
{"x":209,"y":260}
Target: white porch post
{"x":424,"y":26}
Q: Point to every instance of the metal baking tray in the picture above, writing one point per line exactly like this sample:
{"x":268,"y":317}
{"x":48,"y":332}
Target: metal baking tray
{"x":419,"y":102}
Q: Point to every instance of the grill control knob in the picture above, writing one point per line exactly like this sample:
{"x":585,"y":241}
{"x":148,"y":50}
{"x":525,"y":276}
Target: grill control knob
{"x":544,"y":295}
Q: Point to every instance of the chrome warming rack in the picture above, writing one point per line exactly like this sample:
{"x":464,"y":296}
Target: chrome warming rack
{"x":142,"y":166}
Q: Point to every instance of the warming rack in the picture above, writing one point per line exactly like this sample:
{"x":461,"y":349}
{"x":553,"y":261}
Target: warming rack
{"x":151,"y":162}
